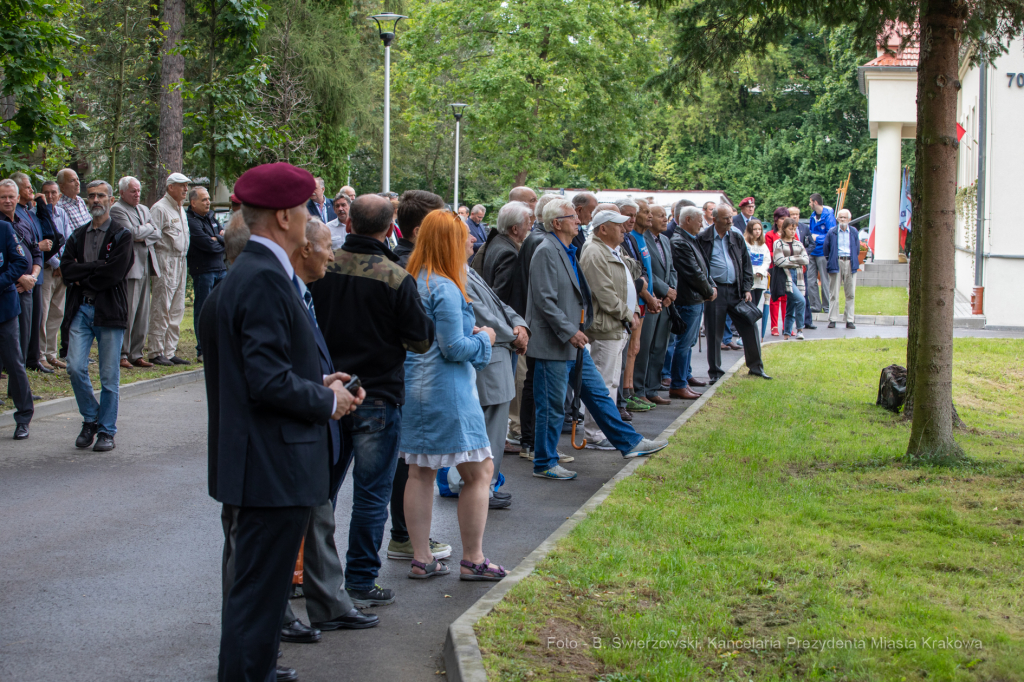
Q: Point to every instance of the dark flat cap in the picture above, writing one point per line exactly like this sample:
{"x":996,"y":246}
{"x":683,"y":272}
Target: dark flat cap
{"x":275,"y":185}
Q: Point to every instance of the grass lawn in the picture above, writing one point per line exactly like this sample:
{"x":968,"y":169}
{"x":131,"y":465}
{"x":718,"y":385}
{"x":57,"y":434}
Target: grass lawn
{"x":878,"y":301}
{"x":58,"y":385}
{"x":780,"y":537}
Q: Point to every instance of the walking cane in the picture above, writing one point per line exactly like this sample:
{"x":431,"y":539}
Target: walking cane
{"x":577,"y":384}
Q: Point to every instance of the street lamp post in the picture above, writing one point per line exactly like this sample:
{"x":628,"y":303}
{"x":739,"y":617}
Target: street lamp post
{"x":386,"y":26}
{"x":457,"y":112}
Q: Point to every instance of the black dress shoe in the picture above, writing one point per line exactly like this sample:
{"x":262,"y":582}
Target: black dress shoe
{"x":831,"y":325}
{"x":36,"y":398}
{"x":21,"y":432}
{"x":712,"y":381}
{"x":502,"y":495}
{"x":104,"y":443}
{"x":162,"y":361}
{"x":179,"y":361}
{"x":851,"y":325}
{"x":499,"y":503}
{"x":40,"y":368}
{"x":810,"y":326}
{"x":624,"y":415}
{"x":287,"y":675}
{"x":87,"y":435}
{"x":760,"y":374}
{"x":353,"y":620}
{"x":299,"y":633}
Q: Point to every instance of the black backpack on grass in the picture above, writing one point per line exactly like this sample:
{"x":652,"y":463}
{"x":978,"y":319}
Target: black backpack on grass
{"x":892,"y":388}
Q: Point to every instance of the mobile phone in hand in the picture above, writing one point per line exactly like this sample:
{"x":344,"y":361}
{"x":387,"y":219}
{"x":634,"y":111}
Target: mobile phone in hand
{"x":353,"y":385}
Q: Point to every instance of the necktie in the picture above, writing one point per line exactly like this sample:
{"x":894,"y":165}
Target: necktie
{"x":309,"y":305}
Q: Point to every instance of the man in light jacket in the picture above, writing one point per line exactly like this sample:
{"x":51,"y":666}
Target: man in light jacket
{"x":168,"y":306}
{"x":610,"y":274}
{"x":133,"y":215}
{"x":842,"y":253}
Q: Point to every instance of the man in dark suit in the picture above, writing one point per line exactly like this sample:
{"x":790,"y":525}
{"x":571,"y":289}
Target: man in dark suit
{"x":318,"y":206}
{"x":725,"y":252}
{"x":746,"y":212}
{"x":475,"y":223}
{"x":269,"y":407}
{"x":657,"y":326}
{"x":498,"y":260}
{"x":13,"y":262}
{"x":32,"y":208}
{"x":205,"y":255}
{"x":28,"y":279}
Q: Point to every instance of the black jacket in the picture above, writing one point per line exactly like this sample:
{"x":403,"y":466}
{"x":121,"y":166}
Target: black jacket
{"x":694,"y":285}
{"x":268,"y":408}
{"x":206,"y":245}
{"x":737,"y":251}
{"x":497,"y":263}
{"x":521,"y":280}
{"x":403,"y":249}
{"x":370,"y":313}
{"x":105,"y":276}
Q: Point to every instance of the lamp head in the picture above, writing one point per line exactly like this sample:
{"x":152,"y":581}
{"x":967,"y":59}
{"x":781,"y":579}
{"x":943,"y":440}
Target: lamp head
{"x":386,"y":25}
{"x":457,"y":108}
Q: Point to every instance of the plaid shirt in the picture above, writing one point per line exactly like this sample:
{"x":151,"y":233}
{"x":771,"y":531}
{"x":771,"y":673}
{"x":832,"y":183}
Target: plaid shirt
{"x":77,"y":212}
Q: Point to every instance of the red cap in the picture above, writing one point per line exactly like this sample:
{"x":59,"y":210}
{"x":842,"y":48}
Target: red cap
{"x":233,"y":199}
{"x":748,"y":200}
{"x":275,"y":185}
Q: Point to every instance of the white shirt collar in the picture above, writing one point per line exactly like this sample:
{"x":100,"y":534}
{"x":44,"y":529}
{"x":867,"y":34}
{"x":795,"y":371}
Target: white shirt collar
{"x":276,"y":249}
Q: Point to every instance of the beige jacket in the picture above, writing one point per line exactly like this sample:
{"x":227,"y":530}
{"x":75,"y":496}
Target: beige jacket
{"x":170,"y":220}
{"x":609,"y":287}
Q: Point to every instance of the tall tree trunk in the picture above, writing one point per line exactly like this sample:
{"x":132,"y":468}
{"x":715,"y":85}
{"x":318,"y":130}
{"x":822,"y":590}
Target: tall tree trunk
{"x":931,"y":434}
{"x":151,"y":185}
{"x":172,"y":72}
{"x":209,"y":97}
{"x":119,"y":104}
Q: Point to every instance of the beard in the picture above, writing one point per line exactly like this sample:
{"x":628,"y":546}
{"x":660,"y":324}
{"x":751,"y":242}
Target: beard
{"x":98,"y":211}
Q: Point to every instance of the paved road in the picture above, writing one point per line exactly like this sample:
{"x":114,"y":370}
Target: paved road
{"x":110,"y":567}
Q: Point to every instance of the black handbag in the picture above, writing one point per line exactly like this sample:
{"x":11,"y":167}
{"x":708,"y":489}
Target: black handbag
{"x":749,"y":312}
{"x":675,"y":320}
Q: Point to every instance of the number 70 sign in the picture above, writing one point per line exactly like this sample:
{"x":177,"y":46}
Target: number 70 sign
{"x":1019,"y":77}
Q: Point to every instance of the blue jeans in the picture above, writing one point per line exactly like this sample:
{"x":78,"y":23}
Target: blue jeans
{"x":727,"y":334}
{"x":203,"y":283}
{"x":691,"y":315}
{"x":108,"y":342}
{"x":375,"y":430}
{"x":550,"y":380}
{"x":795,"y":306}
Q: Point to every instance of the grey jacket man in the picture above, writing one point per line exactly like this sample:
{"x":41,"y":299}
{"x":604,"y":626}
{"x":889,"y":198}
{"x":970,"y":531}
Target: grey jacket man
{"x":554,"y":301}
{"x":139,"y":222}
{"x":496,"y":383}
{"x":663,"y":271}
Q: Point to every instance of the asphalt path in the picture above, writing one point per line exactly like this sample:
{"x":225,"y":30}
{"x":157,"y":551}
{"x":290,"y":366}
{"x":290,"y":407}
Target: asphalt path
{"x":110,"y":568}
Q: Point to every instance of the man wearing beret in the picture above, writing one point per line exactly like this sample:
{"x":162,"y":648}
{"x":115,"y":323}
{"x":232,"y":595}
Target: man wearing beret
{"x":168,"y":305}
{"x":746,"y":212}
{"x":269,"y":407}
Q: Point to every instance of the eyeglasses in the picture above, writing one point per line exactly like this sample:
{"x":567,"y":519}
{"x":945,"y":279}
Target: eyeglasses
{"x":564,"y":217}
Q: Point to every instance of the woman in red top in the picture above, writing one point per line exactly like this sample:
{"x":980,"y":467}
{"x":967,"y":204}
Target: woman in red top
{"x":778,"y":303}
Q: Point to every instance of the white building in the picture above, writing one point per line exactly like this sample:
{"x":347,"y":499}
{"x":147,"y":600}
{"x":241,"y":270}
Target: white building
{"x":663,"y":198}
{"x":994,"y":130}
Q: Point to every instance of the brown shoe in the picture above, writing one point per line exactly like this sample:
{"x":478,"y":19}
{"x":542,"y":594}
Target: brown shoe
{"x":683,"y":394}
{"x":666,"y":383}
{"x":697,"y":382}
{"x":44,"y":364}
{"x":625,"y":415}
{"x":734,"y":346}
{"x":512,"y":448}
{"x":141,"y":362}
{"x":57,"y":362}
{"x":658,"y":400}
{"x":125,"y":364}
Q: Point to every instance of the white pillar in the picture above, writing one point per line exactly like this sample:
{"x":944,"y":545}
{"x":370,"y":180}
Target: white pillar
{"x":887,"y":228}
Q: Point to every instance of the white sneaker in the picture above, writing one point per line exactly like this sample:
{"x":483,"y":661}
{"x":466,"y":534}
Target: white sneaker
{"x":603,"y":444}
{"x":556,"y":472}
{"x":646,"y":447}
{"x":564,"y":458}
{"x":799,"y":336}
{"x":526,"y":453}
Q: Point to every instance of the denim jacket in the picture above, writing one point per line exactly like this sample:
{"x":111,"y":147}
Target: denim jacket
{"x":442,"y":412}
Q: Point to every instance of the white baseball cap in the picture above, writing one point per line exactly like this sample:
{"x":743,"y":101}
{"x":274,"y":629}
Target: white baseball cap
{"x":177,"y":179}
{"x":602,"y":217}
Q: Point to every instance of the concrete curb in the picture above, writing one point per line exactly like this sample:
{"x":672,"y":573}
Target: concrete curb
{"x":975,"y":322}
{"x":462,"y":658}
{"x":61,"y":405}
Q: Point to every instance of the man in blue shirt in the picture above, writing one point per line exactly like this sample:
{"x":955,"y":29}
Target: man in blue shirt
{"x":822,"y":220}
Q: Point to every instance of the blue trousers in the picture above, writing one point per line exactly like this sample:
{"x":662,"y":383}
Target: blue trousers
{"x":108,"y":342}
{"x":550,"y":381}
{"x":681,"y":371}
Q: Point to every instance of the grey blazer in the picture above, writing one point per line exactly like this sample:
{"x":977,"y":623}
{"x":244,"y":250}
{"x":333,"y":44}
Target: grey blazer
{"x":664,"y":271}
{"x":144,"y":234}
{"x":554,"y":301}
{"x":496,"y":383}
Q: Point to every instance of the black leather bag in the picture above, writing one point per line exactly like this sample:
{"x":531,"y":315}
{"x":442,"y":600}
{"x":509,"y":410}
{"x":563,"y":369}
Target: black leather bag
{"x":749,"y":312}
{"x":675,"y":320}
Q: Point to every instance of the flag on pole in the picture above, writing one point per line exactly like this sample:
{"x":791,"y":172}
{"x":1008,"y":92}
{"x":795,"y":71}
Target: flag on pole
{"x":906,"y":210}
{"x":960,"y":132}
{"x":873,"y":215}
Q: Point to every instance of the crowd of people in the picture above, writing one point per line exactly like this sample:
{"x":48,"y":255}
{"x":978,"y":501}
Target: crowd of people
{"x":393,"y":338}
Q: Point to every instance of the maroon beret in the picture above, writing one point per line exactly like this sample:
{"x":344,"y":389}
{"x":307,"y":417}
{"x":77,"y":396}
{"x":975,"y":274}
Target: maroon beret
{"x":275,"y":185}
{"x":748,"y":200}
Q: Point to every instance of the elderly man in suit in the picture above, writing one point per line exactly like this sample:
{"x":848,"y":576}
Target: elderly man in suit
{"x":168,"y":303}
{"x":557,"y":301}
{"x":694,"y":287}
{"x":496,"y":383}
{"x":128,"y":211}
{"x":475,"y":222}
{"x":728,"y":260}
{"x":269,"y":409}
{"x":318,"y":206}
{"x":657,"y":326}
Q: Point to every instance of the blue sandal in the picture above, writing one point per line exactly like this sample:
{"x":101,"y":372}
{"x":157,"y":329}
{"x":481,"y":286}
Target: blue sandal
{"x":435,"y":567}
{"x":482,"y":571}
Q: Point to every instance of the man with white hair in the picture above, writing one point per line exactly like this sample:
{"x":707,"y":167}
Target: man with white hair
{"x":52,"y":313}
{"x":33,"y":209}
{"x":694,"y":287}
{"x":350,"y":192}
{"x":584,"y":203}
{"x":842,"y":253}
{"x":168,"y":305}
{"x":559,"y":298}
{"x":318,"y":206}
{"x":135,"y":217}
{"x":476,"y":228}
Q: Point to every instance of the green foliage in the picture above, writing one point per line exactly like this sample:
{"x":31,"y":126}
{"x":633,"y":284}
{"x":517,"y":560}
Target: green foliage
{"x":32,"y":35}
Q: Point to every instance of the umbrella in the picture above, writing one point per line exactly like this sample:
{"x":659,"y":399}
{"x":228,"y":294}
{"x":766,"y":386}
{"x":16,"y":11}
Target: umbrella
{"x":577,"y":385}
